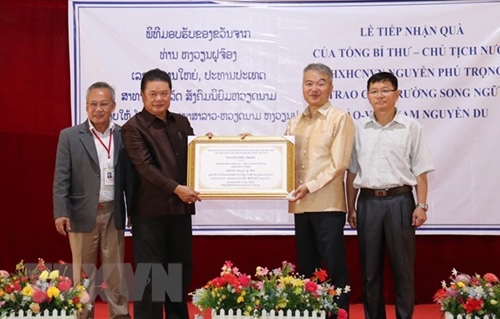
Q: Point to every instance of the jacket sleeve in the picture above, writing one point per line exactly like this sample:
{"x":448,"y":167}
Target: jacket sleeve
{"x":62,"y":177}
{"x":142,"y":159}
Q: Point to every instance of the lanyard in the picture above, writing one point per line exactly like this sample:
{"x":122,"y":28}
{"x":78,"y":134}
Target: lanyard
{"x":108,"y":149}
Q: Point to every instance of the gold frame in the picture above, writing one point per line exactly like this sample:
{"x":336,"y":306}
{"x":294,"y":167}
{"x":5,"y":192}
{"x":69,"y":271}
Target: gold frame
{"x":283,"y":146}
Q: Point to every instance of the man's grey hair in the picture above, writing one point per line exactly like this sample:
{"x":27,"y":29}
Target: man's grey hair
{"x":321,"y":68}
{"x":101,"y":85}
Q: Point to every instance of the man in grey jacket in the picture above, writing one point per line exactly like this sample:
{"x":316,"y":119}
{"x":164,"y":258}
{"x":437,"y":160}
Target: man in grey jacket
{"x":91,"y":177}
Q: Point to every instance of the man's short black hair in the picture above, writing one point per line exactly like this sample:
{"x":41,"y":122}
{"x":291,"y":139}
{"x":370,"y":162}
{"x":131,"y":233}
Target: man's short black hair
{"x":155,"y":75}
{"x":383,"y":77}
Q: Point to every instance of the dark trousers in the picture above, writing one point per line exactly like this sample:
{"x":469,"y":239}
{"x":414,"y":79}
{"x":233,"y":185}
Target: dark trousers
{"x":386,"y":222}
{"x":161,"y":241}
{"x":320,"y":238}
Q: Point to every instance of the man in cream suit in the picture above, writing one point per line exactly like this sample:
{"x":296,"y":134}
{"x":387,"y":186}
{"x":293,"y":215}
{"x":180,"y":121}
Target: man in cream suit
{"x":90,"y":180}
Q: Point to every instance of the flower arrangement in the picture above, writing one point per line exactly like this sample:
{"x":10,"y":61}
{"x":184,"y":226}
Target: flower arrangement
{"x":40,"y":289}
{"x":470,"y":295}
{"x":278,"y":289}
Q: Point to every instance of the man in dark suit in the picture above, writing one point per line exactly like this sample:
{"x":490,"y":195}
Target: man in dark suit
{"x":89,"y":187}
{"x":156,"y":142}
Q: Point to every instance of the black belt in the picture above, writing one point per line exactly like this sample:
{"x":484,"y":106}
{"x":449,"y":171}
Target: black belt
{"x":386,"y":192}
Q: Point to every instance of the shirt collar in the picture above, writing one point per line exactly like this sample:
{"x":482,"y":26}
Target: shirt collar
{"x":111,"y":126}
{"x":150,"y":117}
{"x":398,"y":118}
{"x":323,"y":110}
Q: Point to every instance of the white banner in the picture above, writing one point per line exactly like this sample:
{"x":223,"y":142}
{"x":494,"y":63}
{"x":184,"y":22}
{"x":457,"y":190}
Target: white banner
{"x":237,"y":67}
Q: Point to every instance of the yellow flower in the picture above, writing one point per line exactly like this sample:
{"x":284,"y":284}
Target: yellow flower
{"x":20,"y":265}
{"x":286,"y":280}
{"x":44,"y":275}
{"x":240,"y":299}
{"x":493,"y":302}
{"x":53,"y":292}
{"x":282,"y":303}
{"x":54,"y":274}
{"x":28,"y":291}
{"x":461,"y":284}
{"x":2,"y":293}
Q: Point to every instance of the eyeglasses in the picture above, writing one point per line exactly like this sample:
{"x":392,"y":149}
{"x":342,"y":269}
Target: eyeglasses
{"x":162,"y":95}
{"x":103,"y":105}
{"x":383,"y":92}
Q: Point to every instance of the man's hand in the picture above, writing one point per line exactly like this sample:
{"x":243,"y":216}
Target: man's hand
{"x":352,"y":219}
{"x":299,"y":193}
{"x":63,"y":225}
{"x":419,"y":217}
{"x":186,"y":194}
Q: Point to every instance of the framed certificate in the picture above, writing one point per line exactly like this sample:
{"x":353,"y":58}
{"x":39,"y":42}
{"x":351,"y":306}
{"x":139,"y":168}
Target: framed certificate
{"x":228,"y":167}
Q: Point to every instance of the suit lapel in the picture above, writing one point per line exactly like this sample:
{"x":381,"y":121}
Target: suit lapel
{"x":88,"y":142}
{"x":117,"y":144}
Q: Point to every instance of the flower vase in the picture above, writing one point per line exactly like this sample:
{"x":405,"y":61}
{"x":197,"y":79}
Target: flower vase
{"x":236,"y":314}
{"x":42,"y":315}
{"x":448,"y":315}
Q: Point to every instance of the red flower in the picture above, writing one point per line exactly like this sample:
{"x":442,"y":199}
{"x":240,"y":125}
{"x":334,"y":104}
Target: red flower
{"x":41,"y":265}
{"x":62,"y":262}
{"x":475,"y":281}
{"x":103,"y":285}
{"x":64,"y":285}
{"x":321,"y":274}
{"x":39,"y":296}
{"x":217,"y":282}
{"x":472,"y":305}
{"x":342,"y":314}
{"x":491,"y":278}
{"x":311,"y":286}
{"x":441,"y":294}
{"x":244,"y":280}
{"x":233,"y":281}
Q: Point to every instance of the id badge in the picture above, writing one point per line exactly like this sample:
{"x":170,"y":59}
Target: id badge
{"x":109,"y":176}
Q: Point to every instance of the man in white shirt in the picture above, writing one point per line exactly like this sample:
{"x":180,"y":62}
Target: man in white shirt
{"x":389,"y":159}
{"x":92,"y":175}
